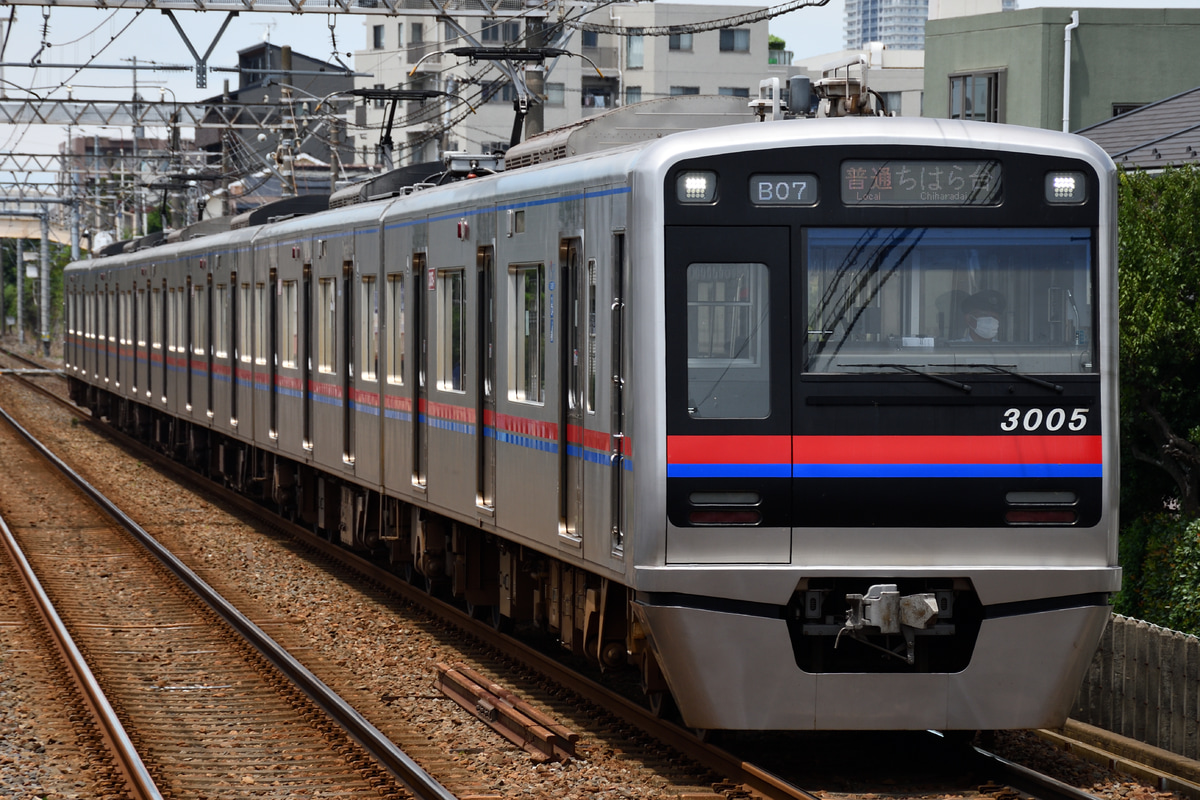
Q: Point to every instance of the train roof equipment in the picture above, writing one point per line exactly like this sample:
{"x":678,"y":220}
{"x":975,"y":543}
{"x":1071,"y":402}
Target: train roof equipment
{"x":630,"y":124}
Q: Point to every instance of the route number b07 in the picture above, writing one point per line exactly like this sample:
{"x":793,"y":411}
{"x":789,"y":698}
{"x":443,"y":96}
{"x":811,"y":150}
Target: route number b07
{"x":783,"y":190}
{"x":1036,"y":419}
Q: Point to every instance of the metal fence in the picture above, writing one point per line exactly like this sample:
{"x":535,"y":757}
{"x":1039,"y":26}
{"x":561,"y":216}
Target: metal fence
{"x":1144,"y":683}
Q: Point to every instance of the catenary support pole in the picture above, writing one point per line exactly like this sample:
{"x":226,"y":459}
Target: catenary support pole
{"x":45,"y":259}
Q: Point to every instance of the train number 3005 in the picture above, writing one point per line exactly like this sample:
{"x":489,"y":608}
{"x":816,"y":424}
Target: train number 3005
{"x":1035,"y":419}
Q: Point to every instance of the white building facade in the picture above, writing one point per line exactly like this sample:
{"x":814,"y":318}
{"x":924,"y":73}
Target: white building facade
{"x":897,"y":24}
{"x":622,"y":62}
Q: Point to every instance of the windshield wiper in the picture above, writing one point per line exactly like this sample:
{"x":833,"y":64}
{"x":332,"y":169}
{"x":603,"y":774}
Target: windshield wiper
{"x":965,"y":387}
{"x":1006,"y":371}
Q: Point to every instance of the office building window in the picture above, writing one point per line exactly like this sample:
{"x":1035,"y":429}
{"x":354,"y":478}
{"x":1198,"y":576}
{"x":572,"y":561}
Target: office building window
{"x":555,"y":94}
{"x":680,"y":41}
{"x":734,"y":91}
{"x":735,"y":40}
{"x":634,"y":53}
{"x":633,"y":94}
{"x":500,"y":32}
{"x":590,"y":38}
{"x":376,"y":37}
{"x":977,"y":96}
{"x":499,"y":91}
{"x":678,"y":90}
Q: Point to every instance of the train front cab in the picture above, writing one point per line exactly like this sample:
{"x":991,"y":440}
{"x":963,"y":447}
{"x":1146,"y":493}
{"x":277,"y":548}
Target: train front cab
{"x":874,"y":518}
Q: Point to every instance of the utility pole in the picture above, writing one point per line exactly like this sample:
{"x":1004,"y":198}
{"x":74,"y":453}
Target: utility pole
{"x":287,"y":136}
{"x":97,"y":216}
{"x":138,"y":227}
{"x":45,"y":315}
{"x":73,"y":195}
{"x":226,"y":203}
{"x":535,"y":79}
{"x":20,"y":291}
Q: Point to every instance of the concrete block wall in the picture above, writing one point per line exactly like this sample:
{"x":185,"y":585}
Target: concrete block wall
{"x":1144,"y":683}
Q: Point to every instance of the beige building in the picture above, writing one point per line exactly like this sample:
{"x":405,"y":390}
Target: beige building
{"x":610,"y":69}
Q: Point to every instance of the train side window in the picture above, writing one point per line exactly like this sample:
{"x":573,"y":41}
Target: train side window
{"x":245,"y":329}
{"x":728,"y":342}
{"x":199,"y":320}
{"x":109,"y":329}
{"x":260,"y":323}
{"x":326,"y":325}
{"x":172,"y":315}
{"x":288,"y":324}
{"x":122,"y":317}
{"x":590,"y":390}
{"x":141,"y":318}
{"x":156,"y":321}
{"x":221,"y":323}
{"x":452,"y":329}
{"x":178,"y":320}
{"x":527,"y":333}
{"x":368,"y":336}
{"x":395,"y":306}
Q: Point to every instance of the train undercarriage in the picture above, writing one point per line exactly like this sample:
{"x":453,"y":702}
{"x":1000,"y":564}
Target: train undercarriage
{"x":511,"y":585}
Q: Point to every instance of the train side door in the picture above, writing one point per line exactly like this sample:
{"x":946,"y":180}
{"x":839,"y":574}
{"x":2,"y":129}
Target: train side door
{"x":572,"y":351}
{"x":619,"y":359}
{"x":162,"y":311}
{"x":486,"y":418}
{"x":274,"y":288}
{"x":306,"y":360}
{"x":348,"y":335}
{"x":420,"y":386}
{"x":207,"y":343}
{"x":368,"y":329}
{"x":729,"y":414}
{"x":239,"y":294}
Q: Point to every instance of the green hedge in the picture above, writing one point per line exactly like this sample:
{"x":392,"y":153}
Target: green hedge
{"x":1160,"y":554}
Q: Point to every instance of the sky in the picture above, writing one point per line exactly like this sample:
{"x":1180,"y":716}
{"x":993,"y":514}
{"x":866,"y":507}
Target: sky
{"x":79,"y":35}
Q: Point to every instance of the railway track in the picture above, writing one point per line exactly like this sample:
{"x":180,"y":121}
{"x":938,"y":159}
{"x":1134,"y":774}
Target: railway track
{"x":205,"y":712}
{"x":739,"y":775}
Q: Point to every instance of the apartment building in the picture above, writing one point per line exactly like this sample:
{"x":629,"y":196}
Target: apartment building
{"x":622,"y":61}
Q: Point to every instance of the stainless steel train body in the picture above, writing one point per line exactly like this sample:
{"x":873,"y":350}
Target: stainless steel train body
{"x":714,"y":405}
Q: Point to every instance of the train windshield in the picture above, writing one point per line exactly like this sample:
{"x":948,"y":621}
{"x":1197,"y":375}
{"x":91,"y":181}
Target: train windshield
{"x":949,"y":300}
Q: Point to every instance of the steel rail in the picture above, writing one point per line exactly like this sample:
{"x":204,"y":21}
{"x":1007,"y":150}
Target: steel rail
{"x":138,"y":779}
{"x":684,"y":741}
{"x":393,"y":759}
{"x":1026,"y":780}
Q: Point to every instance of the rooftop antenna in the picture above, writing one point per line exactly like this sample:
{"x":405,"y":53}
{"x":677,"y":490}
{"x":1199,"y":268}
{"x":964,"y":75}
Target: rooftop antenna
{"x":266,"y":37}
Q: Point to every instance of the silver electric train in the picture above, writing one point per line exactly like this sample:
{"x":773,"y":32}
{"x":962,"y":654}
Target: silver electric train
{"x":813,"y":422}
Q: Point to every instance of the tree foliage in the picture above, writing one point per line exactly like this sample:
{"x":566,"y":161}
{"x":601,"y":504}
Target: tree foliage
{"x":59,"y":257}
{"x":1160,"y":554}
{"x":1159,"y":257}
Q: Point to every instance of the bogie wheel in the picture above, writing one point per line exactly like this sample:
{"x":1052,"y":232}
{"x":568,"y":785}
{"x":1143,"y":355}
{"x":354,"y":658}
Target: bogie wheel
{"x":662,"y":705}
{"x":412,"y":576}
{"x":500,"y":622}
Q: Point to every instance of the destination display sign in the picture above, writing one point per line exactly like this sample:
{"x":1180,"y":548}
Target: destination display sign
{"x":894,"y":182}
